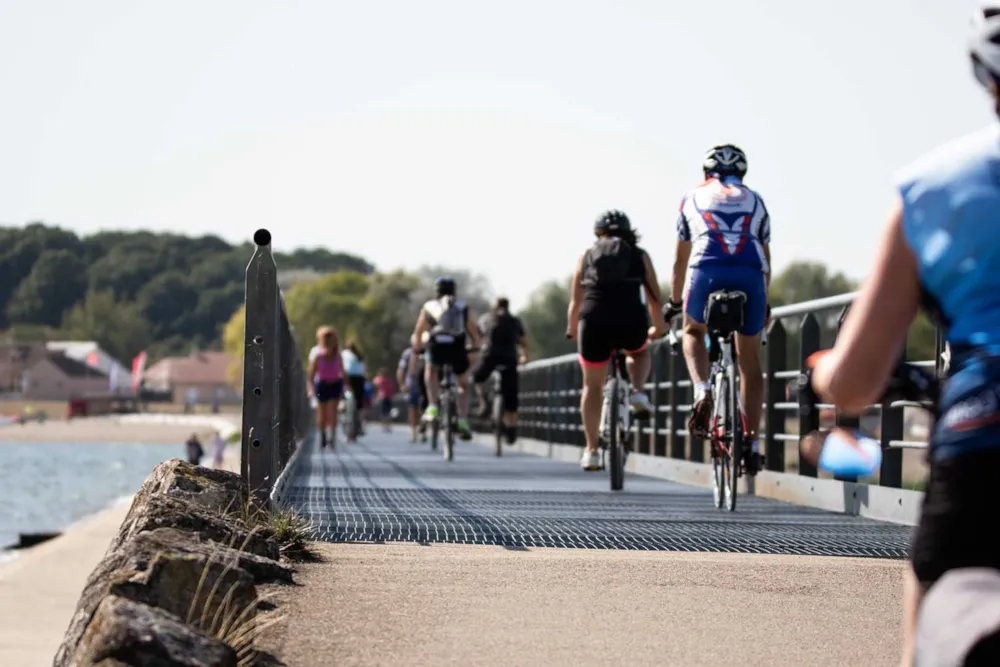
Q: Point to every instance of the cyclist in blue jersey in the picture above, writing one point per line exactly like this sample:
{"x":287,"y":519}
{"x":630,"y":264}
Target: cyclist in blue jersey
{"x":723,"y":232}
{"x":940,"y":251}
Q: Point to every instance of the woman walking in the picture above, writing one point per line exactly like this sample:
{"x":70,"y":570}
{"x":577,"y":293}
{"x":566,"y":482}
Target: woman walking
{"x":386,"y":386}
{"x":326,"y":382}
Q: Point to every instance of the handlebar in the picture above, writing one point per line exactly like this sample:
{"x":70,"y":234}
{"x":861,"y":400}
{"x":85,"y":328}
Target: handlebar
{"x":907,"y":383}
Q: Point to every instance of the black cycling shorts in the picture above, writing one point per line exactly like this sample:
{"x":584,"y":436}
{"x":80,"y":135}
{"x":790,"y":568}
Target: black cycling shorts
{"x":602,"y":331}
{"x":958,"y":510}
{"x":444,"y":349}
{"x":508,"y":378}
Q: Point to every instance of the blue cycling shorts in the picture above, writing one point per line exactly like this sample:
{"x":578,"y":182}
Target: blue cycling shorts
{"x":714,"y":277}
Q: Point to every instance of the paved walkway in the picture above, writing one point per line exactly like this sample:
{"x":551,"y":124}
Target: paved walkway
{"x":437,"y":563}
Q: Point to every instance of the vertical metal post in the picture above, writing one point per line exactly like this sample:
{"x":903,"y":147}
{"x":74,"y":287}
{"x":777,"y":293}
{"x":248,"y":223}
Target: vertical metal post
{"x":678,"y":372}
{"x":259,"y":369}
{"x":774,"y":419}
{"x":286,"y":391}
{"x":891,"y":472}
{"x":846,"y":421}
{"x":809,"y":341}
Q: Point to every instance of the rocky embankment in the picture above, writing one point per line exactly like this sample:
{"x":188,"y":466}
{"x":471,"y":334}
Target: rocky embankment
{"x":177,"y":585}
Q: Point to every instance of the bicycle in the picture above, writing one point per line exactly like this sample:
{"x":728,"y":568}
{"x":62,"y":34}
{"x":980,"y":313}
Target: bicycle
{"x":351,"y":421}
{"x":448,"y":413}
{"x":496,"y":388}
{"x":724,"y":314}
{"x":615,"y":421}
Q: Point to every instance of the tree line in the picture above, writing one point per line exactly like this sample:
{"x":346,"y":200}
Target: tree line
{"x":131,"y":291}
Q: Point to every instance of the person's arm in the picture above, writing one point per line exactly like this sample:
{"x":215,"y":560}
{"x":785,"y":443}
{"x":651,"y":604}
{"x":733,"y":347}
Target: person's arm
{"x":419,"y":330}
{"x":854,"y":373}
{"x":654,"y":300}
{"x":310,"y":374}
{"x":575,"y":300}
{"x":522,"y":341}
{"x":402,"y":367}
{"x":682,"y":254}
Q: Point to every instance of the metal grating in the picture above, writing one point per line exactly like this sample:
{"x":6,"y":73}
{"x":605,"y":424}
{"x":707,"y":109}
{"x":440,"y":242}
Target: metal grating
{"x":387,"y":491}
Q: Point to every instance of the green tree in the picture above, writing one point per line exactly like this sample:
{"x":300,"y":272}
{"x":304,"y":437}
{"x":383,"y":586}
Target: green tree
{"x":387,"y":317}
{"x":168,"y":302}
{"x":117,"y":326}
{"x":57,"y":281}
{"x":804,"y":281}
{"x":545,"y":320}
{"x":334,"y":300}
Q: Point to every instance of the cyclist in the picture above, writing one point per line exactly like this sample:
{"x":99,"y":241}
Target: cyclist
{"x":723,"y":237}
{"x":939,"y":251}
{"x":606,"y":313}
{"x":503,"y":333}
{"x":442,"y":326}
{"x":410,"y":374}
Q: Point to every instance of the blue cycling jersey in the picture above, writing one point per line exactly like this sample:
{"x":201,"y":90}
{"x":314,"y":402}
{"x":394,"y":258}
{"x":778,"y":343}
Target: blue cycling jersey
{"x":951,"y":201}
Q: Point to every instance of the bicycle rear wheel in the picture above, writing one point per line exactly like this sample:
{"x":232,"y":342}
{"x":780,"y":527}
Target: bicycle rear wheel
{"x":616,"y":461}
{"x":736,"y":431}
{"x":720,"y":456}
{"x":448,"y":417}
{"x":498,"y":430}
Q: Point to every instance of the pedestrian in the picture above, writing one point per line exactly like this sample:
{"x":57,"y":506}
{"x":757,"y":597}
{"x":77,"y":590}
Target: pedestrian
{"x":194,"y":450}
{"x":386,"y":386}
{"x":218,"y":449}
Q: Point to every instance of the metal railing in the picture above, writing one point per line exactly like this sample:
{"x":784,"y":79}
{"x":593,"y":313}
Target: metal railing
{"x":550,"y":395}
{"x":277,"y":415}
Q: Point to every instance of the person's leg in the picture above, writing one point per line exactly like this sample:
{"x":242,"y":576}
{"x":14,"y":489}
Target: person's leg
{"x":431,"y":375}
{"x":413,"y":400}
{"x":460,"y":364}
{"x":638,"y":361}
{"x":321,"y":413}
{"x":594,"y":348}
{"x":481,"y":372}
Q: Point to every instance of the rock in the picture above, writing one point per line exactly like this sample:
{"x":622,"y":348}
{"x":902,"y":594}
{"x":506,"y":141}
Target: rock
{"x":139,"y":552}
{"x":199,"y":589}
{"x":219,"y":491}
{"x":163,"y":511}
{"x":126,"y":633}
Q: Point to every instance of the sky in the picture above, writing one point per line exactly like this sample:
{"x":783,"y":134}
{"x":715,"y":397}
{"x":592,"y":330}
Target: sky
{"x":485,"y":135}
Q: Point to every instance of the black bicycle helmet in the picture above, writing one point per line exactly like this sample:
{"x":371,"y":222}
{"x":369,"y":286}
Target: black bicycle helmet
{"x":984,"y":44}
{"x":612,"y":222}
{"x":444,"y":286}
{"x":725,"y":160}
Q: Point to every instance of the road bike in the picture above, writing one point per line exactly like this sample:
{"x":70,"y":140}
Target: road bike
{"x":724,"y":313}
{"x":351,"y":421}
{"x":615,"y":421}
{"x":496,"y":388}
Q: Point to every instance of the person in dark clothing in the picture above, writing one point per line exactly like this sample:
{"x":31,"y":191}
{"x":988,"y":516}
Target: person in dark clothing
{"x":606,"y":313}
{"x":194,"y":450}
{"x":503,"y":334}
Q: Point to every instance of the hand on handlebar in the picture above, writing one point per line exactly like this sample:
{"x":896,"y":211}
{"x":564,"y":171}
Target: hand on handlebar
{"x":672,"y":309}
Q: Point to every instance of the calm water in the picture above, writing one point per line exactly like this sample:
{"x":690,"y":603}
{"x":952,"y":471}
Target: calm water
{"x":45,"y":487}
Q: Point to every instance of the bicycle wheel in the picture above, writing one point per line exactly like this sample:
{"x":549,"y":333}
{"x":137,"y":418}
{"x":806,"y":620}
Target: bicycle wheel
{"x":720,"y":458}
{"x":616,"y":463}
{"x":435,"y":430}
{"x":498,"y":433}
{"x":448,"y":417}
{"x":735,"y":429}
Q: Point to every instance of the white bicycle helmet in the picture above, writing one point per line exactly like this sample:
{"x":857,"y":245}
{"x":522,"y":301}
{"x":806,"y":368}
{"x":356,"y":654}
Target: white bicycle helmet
{"x":984,"y":44}
{"x":725,"y":160}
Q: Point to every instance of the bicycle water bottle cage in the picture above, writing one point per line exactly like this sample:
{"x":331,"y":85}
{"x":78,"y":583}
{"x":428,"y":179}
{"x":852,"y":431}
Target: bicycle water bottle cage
{"x":724,"y":312}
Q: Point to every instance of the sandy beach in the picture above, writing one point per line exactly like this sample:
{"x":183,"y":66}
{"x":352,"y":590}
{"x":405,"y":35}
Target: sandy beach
{"x":151,"y":429}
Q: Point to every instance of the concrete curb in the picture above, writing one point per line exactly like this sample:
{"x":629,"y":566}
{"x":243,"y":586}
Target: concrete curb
{"x":882,"y":503}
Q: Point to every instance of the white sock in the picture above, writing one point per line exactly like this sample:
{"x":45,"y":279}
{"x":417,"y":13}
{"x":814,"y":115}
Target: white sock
{"x":700,"y":389}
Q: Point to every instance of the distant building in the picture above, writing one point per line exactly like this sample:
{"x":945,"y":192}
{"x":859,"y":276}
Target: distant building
{"x":90,"y":353}
{"x":15,"y":359}
{"x":57,"y":377}
{"x":201,"y":377}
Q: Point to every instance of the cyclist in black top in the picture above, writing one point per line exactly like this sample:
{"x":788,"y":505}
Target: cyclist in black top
{"x":502,"y":334}
{"x":606,"y":313}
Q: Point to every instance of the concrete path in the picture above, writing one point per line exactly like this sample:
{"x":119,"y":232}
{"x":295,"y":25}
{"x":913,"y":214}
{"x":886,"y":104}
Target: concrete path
{"x":438,"y":563}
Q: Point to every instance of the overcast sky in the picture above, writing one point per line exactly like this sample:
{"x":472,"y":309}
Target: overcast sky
{"x":487,"y":135}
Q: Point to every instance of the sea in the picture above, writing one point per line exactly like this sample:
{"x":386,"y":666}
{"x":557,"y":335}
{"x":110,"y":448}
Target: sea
{"x":46,"y":487}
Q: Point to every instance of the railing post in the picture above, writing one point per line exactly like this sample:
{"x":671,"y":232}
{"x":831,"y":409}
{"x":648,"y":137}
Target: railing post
{"x":260,"y":352}
{"x":809,"y":340}
{"x":286,"y":391}
{"x":678,"y":372}
{"x":777,"y":361}
{"x":891,"y":472}
{"x":845,"y":421}
{"x":661,"y":371}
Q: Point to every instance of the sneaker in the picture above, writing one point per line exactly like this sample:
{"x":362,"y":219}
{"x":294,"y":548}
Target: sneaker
{"x":464,"y":432}
{"x":701,"y":414}
{"x":641,"y":405}
{"x":510,"y":432}
{"x":590,"y":460}
{"x":322,"y":439}
{"x":431,"y":413}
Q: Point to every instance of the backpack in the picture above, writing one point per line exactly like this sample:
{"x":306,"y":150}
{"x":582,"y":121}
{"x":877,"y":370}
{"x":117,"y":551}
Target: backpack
{"x":449,"y":316}
{"x":608,"y":263}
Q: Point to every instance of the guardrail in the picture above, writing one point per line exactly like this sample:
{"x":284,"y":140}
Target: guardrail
{"x":550,"y":393}
{"x":277,"y":417}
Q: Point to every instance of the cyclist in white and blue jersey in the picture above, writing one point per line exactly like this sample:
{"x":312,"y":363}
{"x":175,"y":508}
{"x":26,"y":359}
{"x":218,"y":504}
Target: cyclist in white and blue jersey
{"x":723,"y":232}
{"x":940,"y":250}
